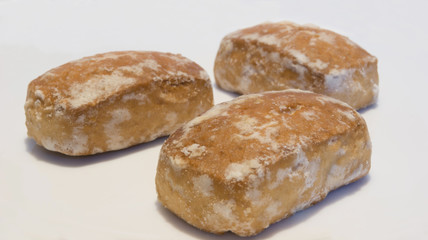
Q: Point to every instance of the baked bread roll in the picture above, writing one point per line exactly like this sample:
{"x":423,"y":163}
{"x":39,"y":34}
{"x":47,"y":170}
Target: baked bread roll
{"x":259,"y":158}
{"x":114,"y":100}
{"x":284,"y":55}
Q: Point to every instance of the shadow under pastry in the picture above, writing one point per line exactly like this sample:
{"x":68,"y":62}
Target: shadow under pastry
{"x":60,"y":159}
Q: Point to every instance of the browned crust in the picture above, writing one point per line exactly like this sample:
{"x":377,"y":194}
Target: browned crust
{"x":56,"y":83}
{"x":114,"y":100}
{"x":329,"y":122}
{"x":284,"y":55}
{"x":259,"y":158}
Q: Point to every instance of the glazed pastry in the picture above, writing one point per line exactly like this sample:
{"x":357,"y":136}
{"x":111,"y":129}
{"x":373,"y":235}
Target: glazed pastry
{"x":259,"y":158}
{"x":114,"y":100}
{"x":284,"y":55}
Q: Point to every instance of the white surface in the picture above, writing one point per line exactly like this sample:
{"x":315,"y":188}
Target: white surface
{"x":44,"y":195}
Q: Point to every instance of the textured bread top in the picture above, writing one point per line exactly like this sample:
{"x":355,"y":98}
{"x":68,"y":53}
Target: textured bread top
{"x":236,"y":139}
{"x":322,"y":50}
{"x":91,"y":80}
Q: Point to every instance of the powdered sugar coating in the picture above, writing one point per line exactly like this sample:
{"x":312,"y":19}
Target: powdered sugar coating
{"x":140,"y":97}
{"x":138,"y":68}
{"x":262,"y":130}
{"x":114,"y":100}
{"x":76,"y":143}
{"x":296,"y":41}
{"x":224,"y":210}
{"x":112,"y":130}
{"x":194,"y":150}
{"x":39,"y":94}
{"x":260,"y":158}
{"x":93,"y":79}
{"x":203,"y":184}
{"x":339,"y":80}
{"x":284,"y":55}
{"x":100,"y":86}
{"x":238,"y":171}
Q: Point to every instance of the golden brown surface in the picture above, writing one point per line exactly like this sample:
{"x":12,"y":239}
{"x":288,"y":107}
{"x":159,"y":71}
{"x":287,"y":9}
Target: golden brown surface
{"x":114,"y":100}
{"x":259,"y":158}
{"x":284,"y":55}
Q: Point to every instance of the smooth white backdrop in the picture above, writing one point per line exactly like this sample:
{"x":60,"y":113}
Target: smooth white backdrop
{"x":45,"y":195}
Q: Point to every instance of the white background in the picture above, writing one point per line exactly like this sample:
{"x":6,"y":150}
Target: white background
{"x":45,"y":195}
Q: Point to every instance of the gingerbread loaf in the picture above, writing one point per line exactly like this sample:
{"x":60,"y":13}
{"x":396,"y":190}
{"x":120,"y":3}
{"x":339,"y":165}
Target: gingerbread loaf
{"x":114,"y":100}
{"x":252,"y":161}
{"x":284,"y":55}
